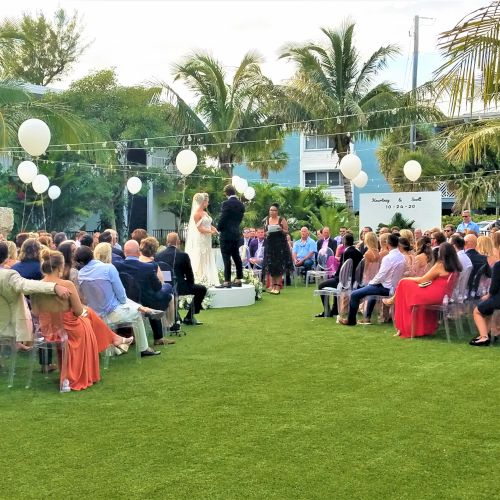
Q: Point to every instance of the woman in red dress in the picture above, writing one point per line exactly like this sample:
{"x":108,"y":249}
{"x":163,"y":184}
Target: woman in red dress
{"x":410,"y":293}
{"x":87,"y":333}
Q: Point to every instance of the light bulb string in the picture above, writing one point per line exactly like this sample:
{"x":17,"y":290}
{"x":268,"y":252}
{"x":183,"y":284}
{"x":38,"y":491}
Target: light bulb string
{"x":282,"y":124}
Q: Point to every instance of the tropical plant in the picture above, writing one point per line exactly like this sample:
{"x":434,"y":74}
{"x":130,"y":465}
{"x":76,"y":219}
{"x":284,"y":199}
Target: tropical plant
{"x":39,"y":51}
{"x":335,"y":217}
{"x":471,"y":72}
{"x":232,"y":122}
{"x":394,"y":151}
{"x":398,"y":220}
{"x":332,"y":82}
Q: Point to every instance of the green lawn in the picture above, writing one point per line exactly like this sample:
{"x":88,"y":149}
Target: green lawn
{"x":265,"y":402}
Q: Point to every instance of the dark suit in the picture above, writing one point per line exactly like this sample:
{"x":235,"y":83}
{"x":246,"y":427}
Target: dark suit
{"x":331,"y":244}
{"x":478,"y":261}
{"x":349,"y":253}
{"x":181,"y":264}
{"x":229,"y":228}
{"x":118,"y":252}
{"x":489,"y":306}
{"x":153,"y":292}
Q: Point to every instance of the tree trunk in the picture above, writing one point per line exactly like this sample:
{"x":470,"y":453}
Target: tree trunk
{"x":342,"y":149}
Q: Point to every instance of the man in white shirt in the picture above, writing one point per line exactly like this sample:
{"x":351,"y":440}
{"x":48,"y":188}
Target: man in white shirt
{"x":459,"y":244}
{"x":391,"y":270}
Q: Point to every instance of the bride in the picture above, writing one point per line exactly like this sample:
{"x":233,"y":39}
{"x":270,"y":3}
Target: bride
{"x":199,"y":242}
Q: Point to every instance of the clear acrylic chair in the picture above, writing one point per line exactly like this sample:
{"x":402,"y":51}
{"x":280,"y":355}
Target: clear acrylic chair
{"x":341,"y":293}
{"x":49,"y":335}
{"x":446,"y":308}
{"x":320,"y":273}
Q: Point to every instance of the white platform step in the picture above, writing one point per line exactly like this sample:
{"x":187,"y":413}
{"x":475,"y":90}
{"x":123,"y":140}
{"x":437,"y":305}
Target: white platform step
{"x":232,"y":297}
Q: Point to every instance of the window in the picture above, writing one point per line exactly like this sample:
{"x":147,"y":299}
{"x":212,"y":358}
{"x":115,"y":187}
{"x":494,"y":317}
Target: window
{"x":319,"y":142}
{"x":330,"y":178}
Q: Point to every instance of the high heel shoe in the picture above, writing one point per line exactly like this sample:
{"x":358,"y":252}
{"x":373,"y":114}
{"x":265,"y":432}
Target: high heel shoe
{"x":480,"y":342}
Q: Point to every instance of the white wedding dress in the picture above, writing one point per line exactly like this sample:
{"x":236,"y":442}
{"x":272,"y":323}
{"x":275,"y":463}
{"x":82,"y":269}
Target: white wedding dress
{"x":199,"y":249}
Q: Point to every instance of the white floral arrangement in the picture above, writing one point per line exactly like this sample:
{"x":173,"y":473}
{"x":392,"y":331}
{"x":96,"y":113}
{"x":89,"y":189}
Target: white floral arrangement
{"x":249,"y":278}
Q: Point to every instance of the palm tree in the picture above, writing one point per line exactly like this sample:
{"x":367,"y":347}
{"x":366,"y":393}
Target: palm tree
{"x":272,"y":161}
{"x":225,"y":116}
{"x":331,"y":81}
{"x":471,"y":72}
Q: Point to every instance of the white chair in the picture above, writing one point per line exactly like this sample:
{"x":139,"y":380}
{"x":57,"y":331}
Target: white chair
{"x":321,"y":271}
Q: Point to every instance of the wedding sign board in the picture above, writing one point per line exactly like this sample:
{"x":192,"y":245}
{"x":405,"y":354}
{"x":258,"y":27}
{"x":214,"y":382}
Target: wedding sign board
{"x":422,"y":207}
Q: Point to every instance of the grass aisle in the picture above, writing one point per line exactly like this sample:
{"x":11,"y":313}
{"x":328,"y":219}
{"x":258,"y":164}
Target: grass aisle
{"x":265,"y":402}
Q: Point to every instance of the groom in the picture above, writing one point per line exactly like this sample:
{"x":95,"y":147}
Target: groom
{"x":229,"y":229}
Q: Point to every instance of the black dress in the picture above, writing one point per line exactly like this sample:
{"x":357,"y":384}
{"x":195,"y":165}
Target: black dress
{"x":277,"y":255}
{"x":487,"y":307}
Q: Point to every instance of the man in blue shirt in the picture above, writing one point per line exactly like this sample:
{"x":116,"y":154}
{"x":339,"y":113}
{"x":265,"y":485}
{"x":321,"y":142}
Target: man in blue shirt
{"x":104,"y":292}
{"x":303,"y":250}
{"x":467,"y":224}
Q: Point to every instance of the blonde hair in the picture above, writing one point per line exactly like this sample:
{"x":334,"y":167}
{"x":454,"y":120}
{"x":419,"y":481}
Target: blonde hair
{"x":406,"y":233}
{"x":200,"y":197}
{"x":485,"y":246}
{"x":371,"y":240}
{"x":383,"y":239}
{"x":102,"y":252}
{"x":12,"y":250}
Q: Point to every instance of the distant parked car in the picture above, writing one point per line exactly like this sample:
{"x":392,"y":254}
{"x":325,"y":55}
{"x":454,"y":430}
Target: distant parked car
{"x":485,"y":226}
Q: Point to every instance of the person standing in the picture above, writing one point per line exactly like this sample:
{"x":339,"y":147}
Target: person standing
{"x":467,"y":223}
{"x":229,"y":229}
{"x":277,"y":255}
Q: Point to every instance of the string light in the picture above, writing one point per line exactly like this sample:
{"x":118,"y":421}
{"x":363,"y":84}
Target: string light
{"x":146,"y":142}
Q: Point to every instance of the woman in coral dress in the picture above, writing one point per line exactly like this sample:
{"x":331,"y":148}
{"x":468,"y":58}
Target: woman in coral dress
{"x":87,"y":333}
{"x":409,"y":293}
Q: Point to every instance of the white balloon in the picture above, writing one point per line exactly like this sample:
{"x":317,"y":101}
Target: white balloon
{"x":134,"y":185}
{"x":241,"y":186}
{"x":360,"y":180}
{"x":186,"y":161}
{"x":54,"y":192}
{"x":34,"y":136}
{"x":40,"y":183}
{"x":350,"y":166}
{"x":412,"y":170}
{"x":234,"y":180}
{"x":249,"y":193}
{"x":27,"y":171}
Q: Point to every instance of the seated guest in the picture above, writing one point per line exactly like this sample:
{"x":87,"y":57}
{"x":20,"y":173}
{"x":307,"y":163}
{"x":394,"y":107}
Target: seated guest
{"x":409,"y":294}
{"x":485,"y":247}
{"x":372,"y":257}
{"x":246,"y":238}
{"x":138,"y":235}
{"x":349,"y":252}
{"x":87,"y":333}
{"x":303,"y":250}
{"x":256,"y":249}
{"x":115,"y":243}
{"x":148,"y":249}
{"x":478,"y":260}
{"x":20,"y":239}
{"x":449,"y":231}
{"x":407,"y":251}
{"x":59,"y":238}
{"x":458,"y":244}
{"x":78,"y":236}
{"x":406,"y":233}
{"x":327,"y":241}
{"x":12,"y":257}
{"x":391,"y":267}
{"x":424,"y":256}
{"x":340,"y":237}
{"x":395,"y":230}
{"x":107,"y":237}
{"x":418,"y":234}
{"x":29,"y":260}
{"x":437,"y":237}
{"x":87,"y":240}
{"x":485,"y":309}
{"x":181,"y":264}
{"x":46,"y":240}
{"x":103,"y":252}
{"x":115,"y":307}
{"x":153,"y":292}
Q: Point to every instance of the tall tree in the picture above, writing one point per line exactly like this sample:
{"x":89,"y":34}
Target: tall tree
{"x":40,"y":51}
{"x":227,"y":116}
{"x":331,"y":81}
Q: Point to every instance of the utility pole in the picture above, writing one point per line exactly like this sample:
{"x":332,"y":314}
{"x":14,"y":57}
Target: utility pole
{"x":413,"y":127}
